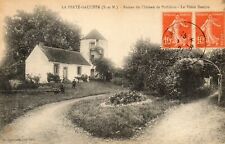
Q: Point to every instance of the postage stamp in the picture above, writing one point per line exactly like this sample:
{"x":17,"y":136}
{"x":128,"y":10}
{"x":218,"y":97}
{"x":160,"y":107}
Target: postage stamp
{"x":212,"y":26}
{"x":177,"y":30}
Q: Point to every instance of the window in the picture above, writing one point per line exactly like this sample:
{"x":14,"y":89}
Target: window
{"x":79,"y":70}
{"x":56,"y":69}
{"x":92,"y":44}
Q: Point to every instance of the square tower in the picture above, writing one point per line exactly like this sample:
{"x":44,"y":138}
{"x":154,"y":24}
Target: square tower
{"x":93,"y":46}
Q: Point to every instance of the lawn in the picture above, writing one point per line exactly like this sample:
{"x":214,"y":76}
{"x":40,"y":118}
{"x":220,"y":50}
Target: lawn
{"x":116,"y":122}
{"x":16,"y":104}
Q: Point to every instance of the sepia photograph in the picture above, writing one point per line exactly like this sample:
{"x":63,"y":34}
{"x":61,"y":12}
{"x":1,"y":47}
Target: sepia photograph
{"x":112,"y":72}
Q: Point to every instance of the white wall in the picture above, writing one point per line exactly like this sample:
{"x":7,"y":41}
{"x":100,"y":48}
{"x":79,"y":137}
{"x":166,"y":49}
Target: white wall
{"x":37,"y":64}
{"x":72,"y":70}
{"x":104,"y":45}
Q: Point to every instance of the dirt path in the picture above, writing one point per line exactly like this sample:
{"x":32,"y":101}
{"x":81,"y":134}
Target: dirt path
{"x":196,"y":123}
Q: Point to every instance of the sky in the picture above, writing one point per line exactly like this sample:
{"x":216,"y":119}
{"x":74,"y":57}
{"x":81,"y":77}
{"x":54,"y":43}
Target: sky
{"x":122,"y":27}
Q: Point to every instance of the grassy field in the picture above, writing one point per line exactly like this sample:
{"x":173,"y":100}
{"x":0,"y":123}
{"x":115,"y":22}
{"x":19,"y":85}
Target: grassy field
{"x":16,"y":104}
{"x":115,"y":122}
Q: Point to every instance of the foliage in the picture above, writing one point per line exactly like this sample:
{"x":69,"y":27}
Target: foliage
{"x":126,"y":97}
{"x":117,"y":81}
{"x":25,"y":30}
{"x":119,"y":77}
{"x":185,"y":78}
{"x":105,"y":68}
{"x":118,"y":73}
{"x":53,"y":78}
{"x":4,"y":84}
{"x":218,"y":57}
{"x":27,"y":84}
{"x":147,"y":65}
{"x":84,"y":77}
{"x":31,"y":82}
{"x":33,"y":79}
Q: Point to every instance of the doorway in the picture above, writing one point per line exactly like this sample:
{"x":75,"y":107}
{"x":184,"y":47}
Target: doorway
{"x":92,"y":72}
{"x":65,"y":73}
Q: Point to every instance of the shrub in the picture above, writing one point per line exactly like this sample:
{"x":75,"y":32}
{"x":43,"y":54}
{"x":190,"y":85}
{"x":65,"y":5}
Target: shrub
{"x":28,"y":85}
{"x":147,"y":65}
{"x":104,"y":67}
{"x":117,"y":81}
{"x":126,"y":97}
{"x":30,"y":82}
{"x":15,"y":83}
{"x":34,"y":79}
{"x":185,"y":79}
{"x":84,"y":77}
{"x":4,"y":84}
{"x":53,"y":78}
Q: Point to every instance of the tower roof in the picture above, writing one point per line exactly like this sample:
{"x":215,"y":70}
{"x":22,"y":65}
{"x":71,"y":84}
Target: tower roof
{"x":94,"y":34}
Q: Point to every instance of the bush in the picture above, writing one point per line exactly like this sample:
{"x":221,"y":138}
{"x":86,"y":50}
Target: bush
{"x":84,"y":77}
{"x":33,"y":79}
{"x":15,"y":83}
{"x":117,"y":81}
{"x":203,"y":92}
{"x":4,"y":84}
{"x":126,"y":98}
{"x":104,"y":67}
{"x":30,"y":82}
{"x":27,"y":84}
{"x":185,"y":79}
{"x":147,"y":66}
{"x":53,"y":78}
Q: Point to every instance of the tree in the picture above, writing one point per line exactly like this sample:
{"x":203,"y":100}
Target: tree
{"x":185,"y":78}
{"x":25,"y":30}
{"x":105,"y":68}
{"x":146,"y":67}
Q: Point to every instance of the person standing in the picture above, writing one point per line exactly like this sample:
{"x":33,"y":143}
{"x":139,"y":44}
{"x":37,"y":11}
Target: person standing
{"x":74,"y":83}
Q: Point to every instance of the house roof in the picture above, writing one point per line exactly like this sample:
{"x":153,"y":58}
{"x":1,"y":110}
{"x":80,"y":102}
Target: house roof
{"x":64,"y":56}
{"x":94,"y":34}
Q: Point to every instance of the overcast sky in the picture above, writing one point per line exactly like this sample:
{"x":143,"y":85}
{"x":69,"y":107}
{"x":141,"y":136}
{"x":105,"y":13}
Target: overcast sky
{"x":121,"y":27}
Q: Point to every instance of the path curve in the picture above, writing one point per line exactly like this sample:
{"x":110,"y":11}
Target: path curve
{"x":196,"y":123}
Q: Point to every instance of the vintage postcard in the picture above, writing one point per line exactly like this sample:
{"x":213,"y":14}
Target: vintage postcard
{"x":112,"y":72}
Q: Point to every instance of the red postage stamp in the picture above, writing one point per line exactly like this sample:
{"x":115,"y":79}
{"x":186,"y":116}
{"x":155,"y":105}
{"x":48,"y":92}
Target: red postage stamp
{"x":210,"y":33}
{"x":177,"y":30}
